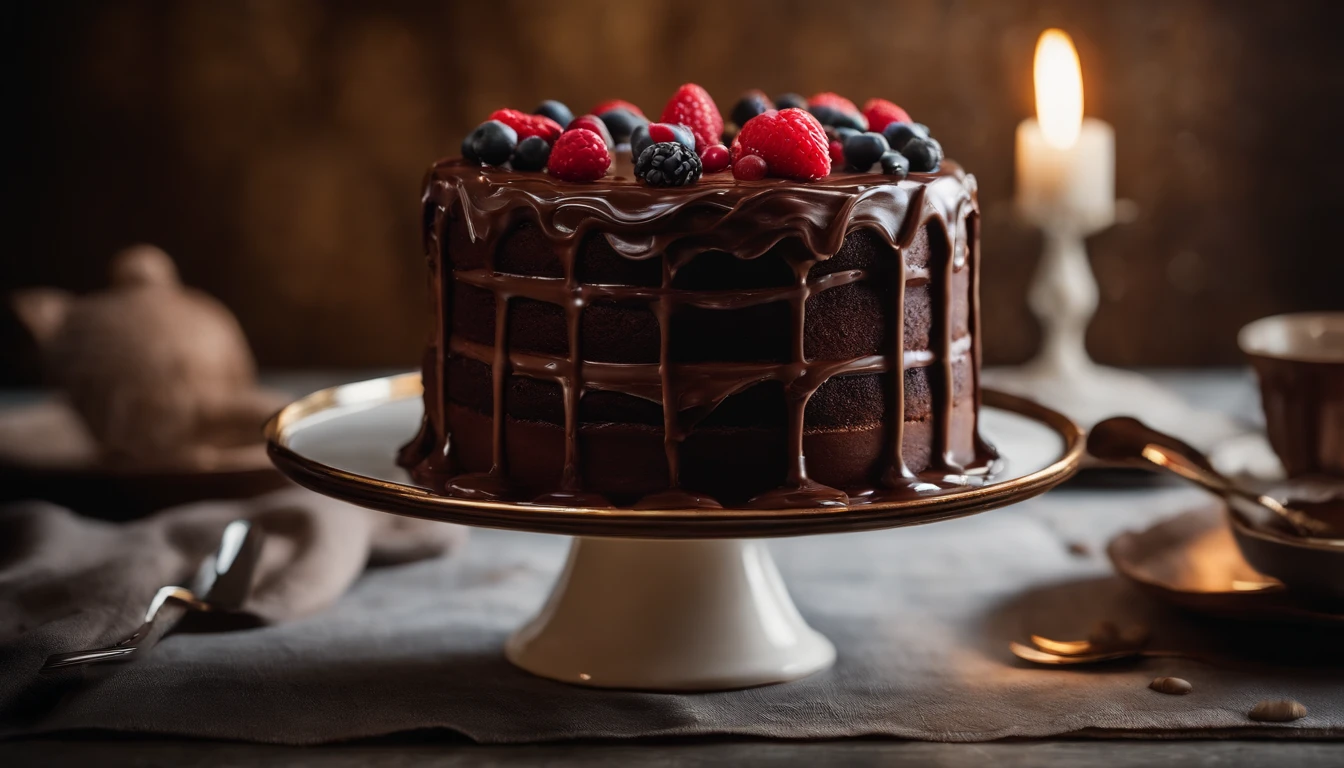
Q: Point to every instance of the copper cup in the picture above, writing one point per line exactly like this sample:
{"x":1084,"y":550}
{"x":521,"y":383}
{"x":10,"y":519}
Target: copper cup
{"x":1299,"y":360}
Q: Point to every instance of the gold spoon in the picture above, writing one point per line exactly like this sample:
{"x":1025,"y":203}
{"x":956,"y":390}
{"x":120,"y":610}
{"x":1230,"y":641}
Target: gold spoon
{"x":1129,"y":441}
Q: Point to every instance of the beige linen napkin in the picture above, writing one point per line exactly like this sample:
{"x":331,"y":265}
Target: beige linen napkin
{"x":69,"y":582}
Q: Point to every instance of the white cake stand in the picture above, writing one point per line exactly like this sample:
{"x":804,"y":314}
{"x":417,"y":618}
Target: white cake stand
{"x":659,"y":600}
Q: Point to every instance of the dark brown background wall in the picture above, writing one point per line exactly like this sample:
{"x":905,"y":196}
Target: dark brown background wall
{"x":275,"y":147}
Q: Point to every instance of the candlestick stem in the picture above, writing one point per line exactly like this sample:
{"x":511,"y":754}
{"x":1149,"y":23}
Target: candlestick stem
{"x":1063,"y":296}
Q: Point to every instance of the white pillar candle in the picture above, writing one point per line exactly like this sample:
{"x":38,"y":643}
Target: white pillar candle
{"x":1065,"y":163}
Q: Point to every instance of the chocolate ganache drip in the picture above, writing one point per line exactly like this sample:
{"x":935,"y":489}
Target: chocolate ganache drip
{"x":470,"y":211}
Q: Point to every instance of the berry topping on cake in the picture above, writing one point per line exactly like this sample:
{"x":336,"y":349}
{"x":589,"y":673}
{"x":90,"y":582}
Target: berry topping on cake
{"x":750,"y":168}
{"x":491,"y":143}
{"x":837,"y":152}
{"x":621,"y":122}
{"x":925,"y":155}
{"x":898,"y":134}
{"x":834,"y":101}
{"x":692,"y":107}
{"x":791,"y":141}
{"x":895,"y":164}
{"x":862,"y":150}
{"x":555,"y":110}
{"x":531,"y":154}
{"x":789,"y":101}
{"x":668,"y":164}
{"x":716,"y":158}
{"x":611,"y":104}
{"x":750,"y":105}
{"x":579,"y":155}
{"x":880,"y":113}
{"x":594,"y":124}
{"x":528,"y":125}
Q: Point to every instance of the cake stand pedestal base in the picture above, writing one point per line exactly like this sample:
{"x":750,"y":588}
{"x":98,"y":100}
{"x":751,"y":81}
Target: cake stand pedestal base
{"x":670,"y":615}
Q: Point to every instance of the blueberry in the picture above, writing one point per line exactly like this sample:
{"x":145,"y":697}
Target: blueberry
{"x":864,"y":149}
{"x":492,"y":143}
{"x":925,"y":155}
{"x":843,"y":133}
{"x":899,"y":133}
{"x":639,"y":140}
{"x":923,"y":129}
{"x":684,"y":135}
{"x":469,"y":151}
{"x":555,"y":110}
{"x":621,"y":123}
{"x":749,"y":106}
{"x":531,"y":154}
{"x":895,"y":164}
{"x":787,"y":100}
{"x":838,"y":118}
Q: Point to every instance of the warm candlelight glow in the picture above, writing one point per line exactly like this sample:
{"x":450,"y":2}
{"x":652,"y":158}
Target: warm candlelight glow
{"x":1059,"y":88}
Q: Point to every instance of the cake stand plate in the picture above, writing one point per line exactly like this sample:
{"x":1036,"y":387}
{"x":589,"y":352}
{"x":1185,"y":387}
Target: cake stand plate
{"x":673,"y":599}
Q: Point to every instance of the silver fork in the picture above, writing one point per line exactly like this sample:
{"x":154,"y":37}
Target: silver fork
{"x":221,"y":584}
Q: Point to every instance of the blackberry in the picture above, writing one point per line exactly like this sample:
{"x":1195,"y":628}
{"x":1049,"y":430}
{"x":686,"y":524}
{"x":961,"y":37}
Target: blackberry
{"x":925,"y":155}
{"x":668,"y":164}
{"x":531,"y":154}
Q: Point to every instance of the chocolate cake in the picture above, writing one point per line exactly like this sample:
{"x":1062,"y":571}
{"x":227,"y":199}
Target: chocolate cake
{"x":771,"y":343}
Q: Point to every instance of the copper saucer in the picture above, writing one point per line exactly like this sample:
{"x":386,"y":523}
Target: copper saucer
{"x":1192,"y":561}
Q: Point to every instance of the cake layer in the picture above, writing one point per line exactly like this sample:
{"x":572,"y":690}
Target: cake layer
{"x":625,"y":462}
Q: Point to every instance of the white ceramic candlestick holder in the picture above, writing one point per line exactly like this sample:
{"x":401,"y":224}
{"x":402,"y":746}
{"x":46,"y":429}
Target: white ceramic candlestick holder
{"x":1064,"y":296}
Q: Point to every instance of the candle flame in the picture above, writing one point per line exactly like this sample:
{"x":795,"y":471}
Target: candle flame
{"x":1059,"y":88}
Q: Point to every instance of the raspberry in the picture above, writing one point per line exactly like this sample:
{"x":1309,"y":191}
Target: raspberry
{"x":528,"y":125}
{"x":594,"y":124}
{"x":881,"y":113}
{"x":750,"y":168}
{"x":837,"y":152}
{"x":692,"y":107}
{"x":791,"y":141}
{"x":715,"y":158}
{"x":579,"y":155}
{"x":834,"y":101}
{"x":611,"y":104}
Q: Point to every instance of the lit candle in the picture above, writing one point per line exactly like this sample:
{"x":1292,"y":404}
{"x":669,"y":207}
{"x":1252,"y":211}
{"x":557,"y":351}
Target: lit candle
{"x":1065,"y":162}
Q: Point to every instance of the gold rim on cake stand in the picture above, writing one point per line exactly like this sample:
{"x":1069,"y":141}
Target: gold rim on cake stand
{"x":406,"y":499}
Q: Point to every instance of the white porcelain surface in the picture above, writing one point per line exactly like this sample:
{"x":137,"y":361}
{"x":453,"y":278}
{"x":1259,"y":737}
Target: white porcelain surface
{"x":670,"y":616}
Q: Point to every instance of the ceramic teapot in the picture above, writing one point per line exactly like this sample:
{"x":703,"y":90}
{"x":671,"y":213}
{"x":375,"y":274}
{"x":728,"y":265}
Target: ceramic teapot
{"x":160,"y":374}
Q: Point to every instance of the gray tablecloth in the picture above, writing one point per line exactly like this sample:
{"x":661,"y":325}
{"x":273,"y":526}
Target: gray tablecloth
{"x":921,"y":618}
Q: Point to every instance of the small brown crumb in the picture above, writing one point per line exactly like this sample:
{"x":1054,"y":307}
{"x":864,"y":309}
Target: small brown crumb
{"x":1278,"y":711}
{"x":1079,"y":549}
{"x":1172,"y":685}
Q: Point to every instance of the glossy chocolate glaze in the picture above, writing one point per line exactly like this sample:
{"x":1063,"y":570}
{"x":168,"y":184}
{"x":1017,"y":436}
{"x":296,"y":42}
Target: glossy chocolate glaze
{"x":675,"y":225}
